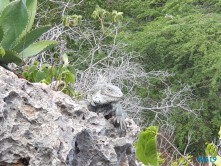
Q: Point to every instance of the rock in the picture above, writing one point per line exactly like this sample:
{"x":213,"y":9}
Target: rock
{"x":42,"y":127}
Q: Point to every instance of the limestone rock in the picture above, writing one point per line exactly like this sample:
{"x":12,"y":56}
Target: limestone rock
{"x":42,"y":127}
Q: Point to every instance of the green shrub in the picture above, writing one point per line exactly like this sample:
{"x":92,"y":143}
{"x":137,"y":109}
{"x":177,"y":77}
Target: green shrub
{"x":16,"y":37}
{"x":188,"y":44}
{"x":58,"y":75}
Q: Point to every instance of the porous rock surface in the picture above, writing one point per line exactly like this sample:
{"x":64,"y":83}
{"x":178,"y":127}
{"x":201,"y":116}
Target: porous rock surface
{"x":42,"y":127}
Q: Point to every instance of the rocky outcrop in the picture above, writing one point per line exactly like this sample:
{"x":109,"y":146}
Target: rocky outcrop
{"x":42,"y":127}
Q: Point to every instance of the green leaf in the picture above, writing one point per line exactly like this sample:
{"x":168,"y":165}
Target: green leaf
{"x":219,"y":133}
{"x":30,"y":38}
{"x":31,"y":7}
{"x":46,"y":68}
{"x":1,"y":34}
{"x":69,"y":77}
{"x":3,"y":4}
{"x":40,"y":75}
{"x":9,"y":57}
{"x":71,"y":69}
{"x":2,"y":51}
{"x":65,"y":59}
{"x":69,"y":91}
{"x":36,"y":63}
{"x":32,"y":69}
{"x":37,"y":48}
{"x":211,"y":150}
{"x":146,"y":146}
{"x":25,"y":74}
{"x":45,"y":82}
{"x":13,"y":21}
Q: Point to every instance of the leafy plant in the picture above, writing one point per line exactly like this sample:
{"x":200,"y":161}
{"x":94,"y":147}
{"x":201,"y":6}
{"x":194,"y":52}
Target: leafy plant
{"x":106,"y":17}
{"x":183,"y":161}
{"x":146,"y":146}
{"x":58,"y":76}
{"x":182,"y":37}
{"x":72,"y":20}
{"x":212,"y":150}
{"x":219,"y":133}
{"x":16,"y":37}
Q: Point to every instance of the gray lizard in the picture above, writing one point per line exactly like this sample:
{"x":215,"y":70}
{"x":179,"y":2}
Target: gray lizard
{"x":104,"y":98}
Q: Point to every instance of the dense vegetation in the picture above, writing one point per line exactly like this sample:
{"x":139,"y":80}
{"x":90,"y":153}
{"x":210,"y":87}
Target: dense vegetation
{"x":184,"y":38}
{"x":181,"y":37}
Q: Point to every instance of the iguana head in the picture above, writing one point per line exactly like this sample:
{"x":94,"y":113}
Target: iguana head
{"x":105,"y":93}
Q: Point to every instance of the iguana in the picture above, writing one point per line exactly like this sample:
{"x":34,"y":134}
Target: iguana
{"x":104,"y":98}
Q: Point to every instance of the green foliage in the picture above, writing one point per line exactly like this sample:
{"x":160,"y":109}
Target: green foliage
{"x":105,"y":17}
{"x":29,"y":38}
{"x":72,"y":20}
{"x":96,"y":38}
{"x":36,"y":48}
{"x":48,"y":73}
{"x":17,"y":41}
{"x":146,"y":146}
{"x":101,"y":14}
{"x":3,"y":4}
{"x":219,"y":133}
{"x":182,"y":161}
{"x":211,"y":150}
{"x":2,"y":51}
{"x":182,"y":37}
{"x":34,"y":74}
{"x":13,"y":21}
{"x":186,"y":124}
